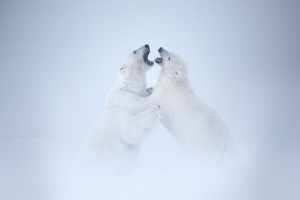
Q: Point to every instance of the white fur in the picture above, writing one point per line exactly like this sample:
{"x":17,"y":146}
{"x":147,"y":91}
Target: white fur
{"x":191,"y":121}
{"x":129,"y":114}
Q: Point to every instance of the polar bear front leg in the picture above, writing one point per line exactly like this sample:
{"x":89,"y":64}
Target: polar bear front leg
{"x":139,"y":125}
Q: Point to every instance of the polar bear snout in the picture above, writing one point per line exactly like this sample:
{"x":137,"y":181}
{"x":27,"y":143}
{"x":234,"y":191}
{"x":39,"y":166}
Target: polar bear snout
{"x":163,"y":54}
{"x":142,"y":50}
{"x":160,"y":50}
{"x":141,"y":55}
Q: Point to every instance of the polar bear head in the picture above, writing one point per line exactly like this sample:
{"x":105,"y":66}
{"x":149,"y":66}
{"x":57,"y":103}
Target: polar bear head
{"x":172,"y":66}
{"x":132,"y":74}
{"x":137,"y":62}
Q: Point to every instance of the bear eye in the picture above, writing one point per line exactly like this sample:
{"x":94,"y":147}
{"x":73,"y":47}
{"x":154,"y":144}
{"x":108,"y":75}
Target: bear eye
{"x":122,"y":68}
{"x":134,"y":52}
{"x":169,"y":58}
{"x":176,"y":73}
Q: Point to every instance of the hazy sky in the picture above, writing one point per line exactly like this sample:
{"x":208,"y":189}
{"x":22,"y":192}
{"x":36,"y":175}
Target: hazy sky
{"x":58,"y":59}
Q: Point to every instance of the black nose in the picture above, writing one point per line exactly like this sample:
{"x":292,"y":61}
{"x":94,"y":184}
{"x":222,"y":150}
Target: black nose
{"x":160,"y":49}
{"x":147,"y":46}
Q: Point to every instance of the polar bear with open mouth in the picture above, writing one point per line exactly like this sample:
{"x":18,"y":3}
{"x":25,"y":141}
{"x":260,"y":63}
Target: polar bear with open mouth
{"x":129,"y":114}
{"x":191,"y":121}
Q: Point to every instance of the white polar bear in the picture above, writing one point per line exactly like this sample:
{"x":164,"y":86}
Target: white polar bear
{"x":191,"y":121}
{"x":129,"y":114}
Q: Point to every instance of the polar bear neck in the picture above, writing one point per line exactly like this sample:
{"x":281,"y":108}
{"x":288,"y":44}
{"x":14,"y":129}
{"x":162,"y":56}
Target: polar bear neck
{"x":137,"y":85}
{"x":166,"y":80}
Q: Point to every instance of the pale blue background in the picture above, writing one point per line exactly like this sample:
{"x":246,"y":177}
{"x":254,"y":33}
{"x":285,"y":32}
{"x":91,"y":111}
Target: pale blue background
{"x":58,"y":59}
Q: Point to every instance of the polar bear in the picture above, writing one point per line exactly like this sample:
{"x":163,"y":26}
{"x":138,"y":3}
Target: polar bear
{"x":190,"y":120}
{"x":128,"y":113}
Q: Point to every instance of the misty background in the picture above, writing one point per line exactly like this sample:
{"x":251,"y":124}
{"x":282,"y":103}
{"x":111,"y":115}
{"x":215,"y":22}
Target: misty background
{"x":58,"y":60}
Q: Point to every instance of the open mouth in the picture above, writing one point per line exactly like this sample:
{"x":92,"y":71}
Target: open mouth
{"x":145,"y":57}
{"x":159,"y":60}
{"x":161,"y":51}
